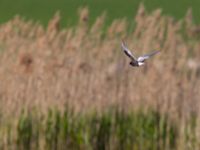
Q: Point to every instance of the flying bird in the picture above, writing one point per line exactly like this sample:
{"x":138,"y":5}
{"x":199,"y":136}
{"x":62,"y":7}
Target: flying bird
{"x":136,"y":61}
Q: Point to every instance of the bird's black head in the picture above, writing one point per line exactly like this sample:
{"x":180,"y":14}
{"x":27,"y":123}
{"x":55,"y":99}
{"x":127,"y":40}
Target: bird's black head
{"x":134,"y":63}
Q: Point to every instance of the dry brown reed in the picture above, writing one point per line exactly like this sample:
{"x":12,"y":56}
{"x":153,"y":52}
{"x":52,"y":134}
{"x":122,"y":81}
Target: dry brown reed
{"x":86,"y":69}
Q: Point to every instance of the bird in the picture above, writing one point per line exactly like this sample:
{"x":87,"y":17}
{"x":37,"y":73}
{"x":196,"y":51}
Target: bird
{"x":136,"y":61}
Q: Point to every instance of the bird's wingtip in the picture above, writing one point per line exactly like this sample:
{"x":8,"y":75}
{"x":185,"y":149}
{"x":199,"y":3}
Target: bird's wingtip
{"x":158,"y":51}
{"x":123,"y":42}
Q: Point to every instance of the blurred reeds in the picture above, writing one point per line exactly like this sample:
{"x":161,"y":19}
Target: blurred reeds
{"x":46,"y":73}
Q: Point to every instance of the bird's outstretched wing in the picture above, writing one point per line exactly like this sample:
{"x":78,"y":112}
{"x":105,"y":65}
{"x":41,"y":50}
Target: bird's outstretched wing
{"x":127,"y":51}
{"x":147,"y":56}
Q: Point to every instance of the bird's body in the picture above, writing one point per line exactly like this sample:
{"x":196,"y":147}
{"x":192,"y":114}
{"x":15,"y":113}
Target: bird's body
{"x":136,"y":62}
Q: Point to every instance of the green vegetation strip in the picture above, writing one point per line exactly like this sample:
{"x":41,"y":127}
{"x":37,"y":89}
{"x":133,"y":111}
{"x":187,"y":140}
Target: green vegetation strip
{"x":110,"y":130}
{"x":43,"y":10}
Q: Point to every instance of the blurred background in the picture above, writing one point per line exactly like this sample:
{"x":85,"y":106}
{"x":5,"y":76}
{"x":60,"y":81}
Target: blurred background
{"x":43,"y":10}
{"x":65,"y":83}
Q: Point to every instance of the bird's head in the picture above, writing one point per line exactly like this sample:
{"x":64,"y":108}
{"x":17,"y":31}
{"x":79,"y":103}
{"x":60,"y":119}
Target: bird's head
{"x":133,"y":63}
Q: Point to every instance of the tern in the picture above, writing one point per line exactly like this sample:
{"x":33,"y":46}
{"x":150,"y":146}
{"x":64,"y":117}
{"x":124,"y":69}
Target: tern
{"x":136,"y":62}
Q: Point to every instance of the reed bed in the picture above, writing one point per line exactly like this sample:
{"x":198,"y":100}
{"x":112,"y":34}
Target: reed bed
{"x":82,"y":69}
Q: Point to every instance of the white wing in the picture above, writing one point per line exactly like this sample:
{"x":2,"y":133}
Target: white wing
{"x":146,"y":56}
{"x":127,"y":51}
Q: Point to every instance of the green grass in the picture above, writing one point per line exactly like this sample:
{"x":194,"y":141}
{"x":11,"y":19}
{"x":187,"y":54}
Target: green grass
{"x":43,"y":10}
{"x":113,"y":129}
